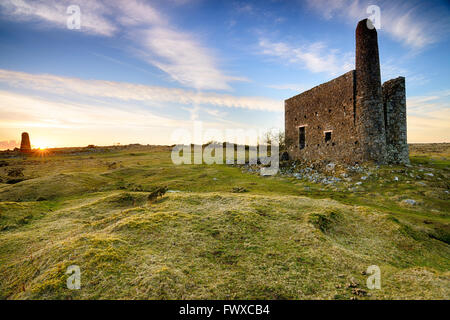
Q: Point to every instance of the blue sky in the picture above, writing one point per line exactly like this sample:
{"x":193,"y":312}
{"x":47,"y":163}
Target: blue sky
{"x":136,"y":71}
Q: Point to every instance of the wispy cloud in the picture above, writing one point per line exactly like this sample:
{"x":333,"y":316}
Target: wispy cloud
{"x":127,"y":91}
{"x":298,"y":87}
{"x":57,"y":123}
{"x":76,"y":124}
{"x":409,"y":22}
{"x":53,"y":13}
{"x":11,"y":144}
{"x":179,"y":54}
{"x":391,"y":69}
{"x":138,"y":13}
{"x":215,"y":113}
{"x":244,"y":8}
{"x":194,"y":113}
{"x":183,"y":58}
{"x":315,"y":57}
{"x":26,"y":111}
{"x":429,"y":117}
{"x":421,"y":105}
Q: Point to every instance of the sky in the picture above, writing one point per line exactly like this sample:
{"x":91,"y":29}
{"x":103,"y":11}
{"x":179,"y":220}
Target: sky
{"x":138,"y":71}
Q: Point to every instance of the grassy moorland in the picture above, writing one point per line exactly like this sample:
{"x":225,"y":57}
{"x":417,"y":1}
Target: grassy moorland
{"x":220,"y":232}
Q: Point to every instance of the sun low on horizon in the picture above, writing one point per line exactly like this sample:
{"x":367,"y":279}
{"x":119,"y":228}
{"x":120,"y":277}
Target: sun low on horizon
{"x":42,"y":145}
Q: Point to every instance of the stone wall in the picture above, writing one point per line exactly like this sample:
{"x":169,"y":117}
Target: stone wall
{"x":394,"y":102}
{"x":328,"y":107}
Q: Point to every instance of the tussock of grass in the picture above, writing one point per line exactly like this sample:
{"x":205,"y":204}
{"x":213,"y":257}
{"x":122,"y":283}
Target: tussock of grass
{"x":324,"y":220}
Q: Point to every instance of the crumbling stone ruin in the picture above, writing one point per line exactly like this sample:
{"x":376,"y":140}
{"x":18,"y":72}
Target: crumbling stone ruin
{"x":25,"y":145}
{"x":352,"y":118}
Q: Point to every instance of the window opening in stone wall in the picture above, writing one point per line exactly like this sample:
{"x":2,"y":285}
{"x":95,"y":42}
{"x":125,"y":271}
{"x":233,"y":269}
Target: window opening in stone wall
{"x":301,"y":137}
{"x":327,"y":136}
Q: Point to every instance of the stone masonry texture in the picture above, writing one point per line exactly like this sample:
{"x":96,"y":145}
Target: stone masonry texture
{"x":394,"y":99}
{"x":369,"y":100}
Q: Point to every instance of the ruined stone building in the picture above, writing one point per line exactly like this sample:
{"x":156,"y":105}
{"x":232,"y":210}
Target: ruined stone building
{"x":352,"y":118}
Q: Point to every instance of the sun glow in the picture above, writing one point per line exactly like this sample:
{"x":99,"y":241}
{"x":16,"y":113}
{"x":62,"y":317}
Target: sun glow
{"x":41,"y":145}
{"x":41,"y":148}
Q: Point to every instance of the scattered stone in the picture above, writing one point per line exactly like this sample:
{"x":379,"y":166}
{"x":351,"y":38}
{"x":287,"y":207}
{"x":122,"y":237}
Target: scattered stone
{"x":363,"y":178}
{"x":410,"y":202}
{"x":395,"y":178}
{"x":266,"y":172}
{"x":330,"y":166}
{"x":358,"y":183}
{"x":429,"y":174}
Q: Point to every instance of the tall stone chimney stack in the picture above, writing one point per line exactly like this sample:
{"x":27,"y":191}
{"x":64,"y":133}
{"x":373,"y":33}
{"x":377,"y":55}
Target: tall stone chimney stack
{"x":369,"y":100}
{"x":25,"y":145}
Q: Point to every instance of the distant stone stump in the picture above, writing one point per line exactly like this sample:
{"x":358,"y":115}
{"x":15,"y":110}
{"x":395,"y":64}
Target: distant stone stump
{"x":25,"y":145}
